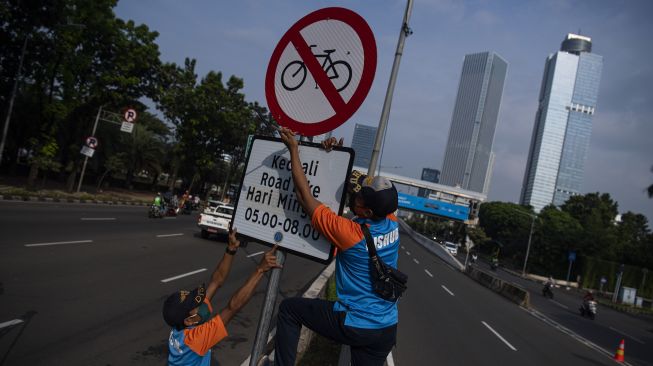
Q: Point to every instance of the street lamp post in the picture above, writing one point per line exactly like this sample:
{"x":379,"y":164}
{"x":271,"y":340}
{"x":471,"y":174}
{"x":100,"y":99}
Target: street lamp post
{"x":530,"y":235}
{"x":11,"y":100}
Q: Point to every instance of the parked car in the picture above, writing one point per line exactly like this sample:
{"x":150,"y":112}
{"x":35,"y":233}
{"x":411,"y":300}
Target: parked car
{"x":451,"y":247}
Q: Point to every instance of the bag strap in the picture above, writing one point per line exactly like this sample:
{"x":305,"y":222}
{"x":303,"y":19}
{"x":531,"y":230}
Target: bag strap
{"x":371,"y":249}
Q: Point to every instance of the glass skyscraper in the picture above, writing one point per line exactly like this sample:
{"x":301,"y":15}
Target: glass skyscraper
{"x":468,"y":158}
{"x":363,"y":144}
{"x":563,"y":124}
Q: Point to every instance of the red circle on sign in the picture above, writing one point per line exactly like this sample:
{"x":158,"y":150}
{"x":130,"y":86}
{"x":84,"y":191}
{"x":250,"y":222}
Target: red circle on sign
{"x":343,"y":110}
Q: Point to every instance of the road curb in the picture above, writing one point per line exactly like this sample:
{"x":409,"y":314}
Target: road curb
{"x":5,"y":197}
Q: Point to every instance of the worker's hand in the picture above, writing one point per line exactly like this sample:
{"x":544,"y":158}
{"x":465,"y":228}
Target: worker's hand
{"x":233,"y":242}
{"x":288,"y":138}
{"x":329,"y":143}
{"x":269,"y":260}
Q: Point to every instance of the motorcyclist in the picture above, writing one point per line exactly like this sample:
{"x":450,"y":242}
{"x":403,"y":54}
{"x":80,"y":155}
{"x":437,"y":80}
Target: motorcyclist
{"x":589,"y":296}
{"x":158,"y":202}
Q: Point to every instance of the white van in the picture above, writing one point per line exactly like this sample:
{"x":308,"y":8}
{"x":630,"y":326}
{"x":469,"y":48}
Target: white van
{"x":451,"y":247}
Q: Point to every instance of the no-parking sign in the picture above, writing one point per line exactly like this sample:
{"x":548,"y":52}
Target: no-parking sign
{"x":321,"y":71}
{"x":92,"y":142}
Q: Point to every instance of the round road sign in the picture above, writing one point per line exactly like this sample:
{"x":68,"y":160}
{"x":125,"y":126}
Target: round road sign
{"x":130,"y":115}
{"x":321,"y":71}
{"x":92,"y":142}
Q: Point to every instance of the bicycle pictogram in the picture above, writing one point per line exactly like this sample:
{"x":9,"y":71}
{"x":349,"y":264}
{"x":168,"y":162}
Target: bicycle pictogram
{"x":339,"y":71}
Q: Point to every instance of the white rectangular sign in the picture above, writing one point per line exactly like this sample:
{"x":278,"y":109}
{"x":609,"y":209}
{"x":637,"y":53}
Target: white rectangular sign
{"x":127,"y":127}
{"x":87,"y":151}
{"x":267,"y":208}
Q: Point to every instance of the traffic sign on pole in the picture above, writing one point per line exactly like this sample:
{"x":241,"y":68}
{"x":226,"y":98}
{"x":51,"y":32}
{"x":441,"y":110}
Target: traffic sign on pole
{"x":130,"y":115}
{"x":92,"y":142}
{"x":321,"y":71}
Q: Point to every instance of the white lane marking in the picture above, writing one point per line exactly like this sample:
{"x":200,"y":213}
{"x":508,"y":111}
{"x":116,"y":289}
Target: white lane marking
{"x":559,"y":304}
{"x":403,"y":247}
{"x":255,"y":254}
{"x":416,"y":261}
{"x":98,"y":218}
{"x":627,"y":335}
{"x":449,"y":291}
{"x":536,"y":314}
{"x":390,"y":360}
{"x":168,"y":235}
{"x":59,"y":243}
{"x":499,"y":336}
{"x":428,"y":273}
{"x":407,"y":252}
{"x":10,"y":323}
{"x":183,"y":275}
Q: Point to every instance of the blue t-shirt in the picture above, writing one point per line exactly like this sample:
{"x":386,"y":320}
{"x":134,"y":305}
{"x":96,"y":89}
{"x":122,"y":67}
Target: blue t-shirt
{"x":365,"y":309}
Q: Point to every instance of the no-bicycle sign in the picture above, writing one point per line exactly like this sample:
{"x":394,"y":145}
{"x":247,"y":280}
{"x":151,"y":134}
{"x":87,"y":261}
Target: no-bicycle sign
{"x":321,"y":71}
{"x":267,"y":208}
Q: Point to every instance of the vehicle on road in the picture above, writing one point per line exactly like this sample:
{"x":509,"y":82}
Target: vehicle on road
{"x":494,"y":264}
{"x":216,"y":221}
{"x":588,"y":309}
{"x":212,"y":204}
{"x":547,"y":291}
{"x":451,"y":247}
{"x":154,"y":212}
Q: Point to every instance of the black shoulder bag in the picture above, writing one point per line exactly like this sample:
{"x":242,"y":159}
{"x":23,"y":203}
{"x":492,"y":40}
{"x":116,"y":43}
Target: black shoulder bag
{"x":387,"y":282}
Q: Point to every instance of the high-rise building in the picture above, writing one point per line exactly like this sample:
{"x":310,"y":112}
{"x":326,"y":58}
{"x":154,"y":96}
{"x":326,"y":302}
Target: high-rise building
{"x":563,"y":124}
{"x":468,"y":158}
{"x":363,"y":144}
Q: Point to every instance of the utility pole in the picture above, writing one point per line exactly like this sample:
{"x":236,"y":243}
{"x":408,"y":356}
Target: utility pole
{"x":11,"y":100}
{"x":385,"y":114}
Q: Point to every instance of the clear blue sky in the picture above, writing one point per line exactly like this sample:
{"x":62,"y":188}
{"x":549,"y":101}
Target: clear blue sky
{"x":238,"y":37}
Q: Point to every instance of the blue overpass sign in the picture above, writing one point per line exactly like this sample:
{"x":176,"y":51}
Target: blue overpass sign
{"x":434,"y":207}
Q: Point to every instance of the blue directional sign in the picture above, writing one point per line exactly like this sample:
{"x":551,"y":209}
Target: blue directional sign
{"x":435,"y":207}
{"x":572,"y":256}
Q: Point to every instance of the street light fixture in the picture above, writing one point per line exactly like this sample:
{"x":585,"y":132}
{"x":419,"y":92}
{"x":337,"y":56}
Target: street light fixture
{"x":530,"y":235}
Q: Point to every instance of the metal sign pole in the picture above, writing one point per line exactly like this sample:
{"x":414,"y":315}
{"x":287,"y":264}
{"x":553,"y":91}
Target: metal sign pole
{"x":81,"y":176}
{"x":263,"y":329}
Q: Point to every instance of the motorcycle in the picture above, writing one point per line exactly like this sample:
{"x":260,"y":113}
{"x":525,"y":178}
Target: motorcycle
{"x":547,"y":291}
{"x":494,"y":264}
{"x":588,"y":309}
{"x":154,"y":212}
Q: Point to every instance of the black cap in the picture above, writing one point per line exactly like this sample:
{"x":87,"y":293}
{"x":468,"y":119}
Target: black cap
{"x":179,"y":304}
{"x":378,"y":193}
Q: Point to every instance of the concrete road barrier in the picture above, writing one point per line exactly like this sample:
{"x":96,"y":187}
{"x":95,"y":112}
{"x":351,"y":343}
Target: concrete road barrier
{"x":509,"y":290}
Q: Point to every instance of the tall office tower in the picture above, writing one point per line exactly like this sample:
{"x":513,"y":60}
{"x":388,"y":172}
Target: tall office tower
{"x":563,"y":124}
{"x":468,"y":158}
{"x":363,"y":144}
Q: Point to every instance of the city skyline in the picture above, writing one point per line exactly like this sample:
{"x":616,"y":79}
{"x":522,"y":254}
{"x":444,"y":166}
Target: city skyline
{"x":363,"y":143}
{"x":468,"y":157}
{"x":238,"y":39}
{"x":563,"y":124}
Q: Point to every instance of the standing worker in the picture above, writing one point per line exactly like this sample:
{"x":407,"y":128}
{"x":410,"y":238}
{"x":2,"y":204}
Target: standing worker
{"x":359,"y":318}
{"x":194,"y":329}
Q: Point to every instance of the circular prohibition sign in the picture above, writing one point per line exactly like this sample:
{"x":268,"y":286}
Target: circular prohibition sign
{"x":296,"y":109}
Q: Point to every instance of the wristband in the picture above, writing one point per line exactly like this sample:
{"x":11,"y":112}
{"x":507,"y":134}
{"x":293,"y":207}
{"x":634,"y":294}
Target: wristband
{"x":231,"y":252}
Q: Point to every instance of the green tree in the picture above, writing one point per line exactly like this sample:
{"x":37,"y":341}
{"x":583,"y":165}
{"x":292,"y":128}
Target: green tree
{"x":596,"y":213}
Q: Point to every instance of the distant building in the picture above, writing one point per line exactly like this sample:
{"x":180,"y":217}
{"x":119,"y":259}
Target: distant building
{"x":363,"y":144}
{"x":319,"y":138}
{"x":468,"y":157}
{"x":563,"y":124}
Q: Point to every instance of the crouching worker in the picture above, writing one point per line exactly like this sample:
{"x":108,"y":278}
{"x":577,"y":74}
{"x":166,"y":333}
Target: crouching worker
{"x":195,"y":329}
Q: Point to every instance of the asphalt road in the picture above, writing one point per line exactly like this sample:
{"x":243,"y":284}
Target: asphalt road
{"x":98,"y":301}
{"x":447,"y":319}
{"x":87,"y":282}
{"x":605,"y":331}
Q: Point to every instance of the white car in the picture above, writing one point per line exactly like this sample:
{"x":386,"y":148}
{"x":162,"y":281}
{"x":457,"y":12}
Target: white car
{"x":451,"y":247}
{"x":216,"y":221}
